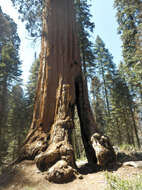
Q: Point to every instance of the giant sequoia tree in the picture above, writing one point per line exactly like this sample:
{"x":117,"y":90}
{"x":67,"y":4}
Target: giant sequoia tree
{"x":61,"y":86}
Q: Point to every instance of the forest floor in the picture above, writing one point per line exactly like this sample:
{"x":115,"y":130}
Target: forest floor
{"x":26,"y":176}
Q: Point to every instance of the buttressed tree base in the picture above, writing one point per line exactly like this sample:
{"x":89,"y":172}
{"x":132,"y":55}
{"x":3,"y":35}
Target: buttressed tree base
{"x":61,"y":86}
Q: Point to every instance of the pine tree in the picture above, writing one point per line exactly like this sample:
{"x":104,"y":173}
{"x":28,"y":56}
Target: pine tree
{"x":124,"y":125}
{"x":85,"y":28}
{"x":9,"y":58}
{"x":105,"y":69}
{"x":16,"y":122}
{"x":9,"y":73}
{"x":129,"y":20}
{"x":98,"y":103}
{"x":32,"y":85}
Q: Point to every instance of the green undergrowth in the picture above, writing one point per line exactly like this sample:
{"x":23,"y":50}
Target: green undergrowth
{"x":29,"y":188}
{"x":128,"y":148}
{"x":83,"y":158}
{"x":115,"y":182}
{"x":33,"y":188}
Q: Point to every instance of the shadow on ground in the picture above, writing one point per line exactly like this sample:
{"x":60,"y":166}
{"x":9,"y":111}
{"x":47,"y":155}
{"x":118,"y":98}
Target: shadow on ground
{"x":21,"y":175}
{"x":27,"y":174}
{"x":132,"y":156}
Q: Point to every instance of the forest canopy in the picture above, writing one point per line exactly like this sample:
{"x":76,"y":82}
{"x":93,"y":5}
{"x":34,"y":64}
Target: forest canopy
{"x":114,"y":89}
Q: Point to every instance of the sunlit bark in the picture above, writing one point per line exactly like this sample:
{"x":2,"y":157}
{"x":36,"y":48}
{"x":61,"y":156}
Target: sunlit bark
{"x":61,"y":86}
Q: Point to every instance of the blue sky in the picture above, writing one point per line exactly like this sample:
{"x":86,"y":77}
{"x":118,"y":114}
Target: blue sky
{"x":105,"y":26}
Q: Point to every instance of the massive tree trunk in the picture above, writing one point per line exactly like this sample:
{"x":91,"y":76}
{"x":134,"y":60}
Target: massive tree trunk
{"x":60,"y":87}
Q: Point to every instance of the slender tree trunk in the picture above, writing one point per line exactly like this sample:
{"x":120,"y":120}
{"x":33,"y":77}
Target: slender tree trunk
{"x":84,"y":65}
{"x":135,"y":128}
{"x":106,"y":93}
{"x":3,"y":102}
{"x":76,"y":144}
{"x":119,"y":132}
{"x":130,"y":126}
{"x":130,"y":140}
{"x":3,"y":116}
{"x":61,"y":86}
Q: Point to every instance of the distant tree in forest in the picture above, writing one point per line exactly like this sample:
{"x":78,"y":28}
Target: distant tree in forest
{"x":124,"y":128}
{"x":129,"y":18}
{"x":9,"y":60}
{"x":32,"y":85}
{"x":105,"y":67}
{"x":111,"y":98}
{"x":103,"y":74}
{"x":85,"y":29}
{"x":16,"y":122}
{"x":10,"y":72}
{"x":129,"y":15}
{"x":98,"y":102}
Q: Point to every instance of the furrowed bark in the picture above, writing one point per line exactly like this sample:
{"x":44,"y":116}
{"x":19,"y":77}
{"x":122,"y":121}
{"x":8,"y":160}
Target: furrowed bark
{"x":49,"y":138}
{"x":60,"y":87}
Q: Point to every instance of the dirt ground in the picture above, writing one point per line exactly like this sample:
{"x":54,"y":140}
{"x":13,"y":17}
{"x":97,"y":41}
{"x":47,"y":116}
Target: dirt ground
{"x":26,"y":176}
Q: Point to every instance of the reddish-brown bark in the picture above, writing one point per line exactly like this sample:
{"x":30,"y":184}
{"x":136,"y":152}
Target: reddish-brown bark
{"x":60,"y":87}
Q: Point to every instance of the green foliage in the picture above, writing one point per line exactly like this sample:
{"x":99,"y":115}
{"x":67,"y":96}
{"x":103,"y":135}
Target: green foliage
{"x":98,"y":103}
{"x":104,"y":64}
{"x":129,"y":20}
{"x":85,"y":29}
{"x":30,"y":188}
{"x":111,"y":98}
{"x":16,"y":125}
{"x":32,"y":84}
{"x":31,"y":14}
{"x":102,"y":83}
{"x":127,"y":148}
{"x":9,"y":64}
{"x":12,"y":101}
{"x":8,"y":31}
{"x":121,"y":101}
{"x":104,"y":67}
{"x":9,"y":61}
{"x":117,"y":183}
{"x":9,"y":47}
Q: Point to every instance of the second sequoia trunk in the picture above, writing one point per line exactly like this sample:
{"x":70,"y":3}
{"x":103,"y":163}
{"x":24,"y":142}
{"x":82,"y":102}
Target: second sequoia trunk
{"x":60,"y":87}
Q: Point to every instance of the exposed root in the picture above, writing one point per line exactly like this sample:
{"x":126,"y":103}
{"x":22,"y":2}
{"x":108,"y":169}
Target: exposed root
{"x":61,"y":172}
{"x":58,"y":161}
{"x":36,"y":144}
{"x":104,"y":151}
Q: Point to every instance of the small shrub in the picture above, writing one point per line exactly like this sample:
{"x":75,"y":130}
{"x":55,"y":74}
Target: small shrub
{"x":29,"y":188}
{"x":127,"y":148}
{"x":117,"y":183}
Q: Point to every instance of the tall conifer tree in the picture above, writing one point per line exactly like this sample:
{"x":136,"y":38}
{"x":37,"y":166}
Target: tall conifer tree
{"x":61,"y":86}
